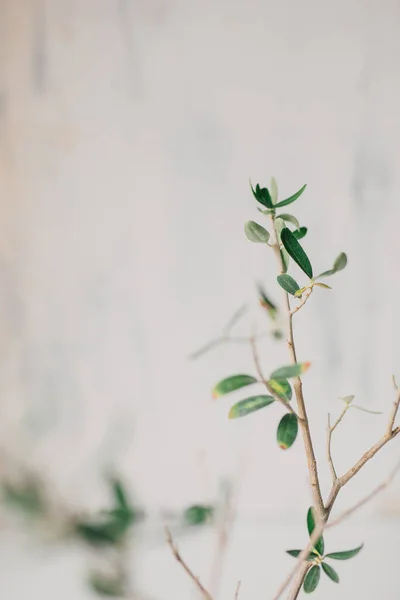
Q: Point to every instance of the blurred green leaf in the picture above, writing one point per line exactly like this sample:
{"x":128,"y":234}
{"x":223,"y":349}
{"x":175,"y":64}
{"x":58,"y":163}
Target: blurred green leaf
{"x":330,"y":571}
{"x":256,"y":233}
{"x":291,"y":198}
{"x":267,"y":303}
{"x":232,"y":383}
{"x":289,"y":371}
{"x":280,"y":387}
{"x":287,"y":431}
{"x":262,"y":196}
{"x":289,"y":284}
{"x":26,"y":496}
{"x":285,"y":259}
{"x":289,"y":219}
{"x":312,"y":579}
{"x":109,"y":532}
{"x":106,"y":585}
{"x":198,"y":514}
{"x":300,"y":233}
{"x":339,"y":264}
{"x":294,"y":249}
{"x":319,"y":544}
{"x":249,"y":405}
{"x":274,"y":190}
{"x":345,"y":554}
{"x":323,"y":285}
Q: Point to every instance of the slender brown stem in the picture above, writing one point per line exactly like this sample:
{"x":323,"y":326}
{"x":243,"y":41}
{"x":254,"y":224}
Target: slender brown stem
{"x":301,"y":407}
{"x":330,"y":430}
{"x":180,"y":560}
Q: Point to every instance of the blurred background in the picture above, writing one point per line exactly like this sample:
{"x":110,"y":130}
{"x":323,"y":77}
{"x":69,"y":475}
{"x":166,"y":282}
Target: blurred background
{"x":128,"y":133}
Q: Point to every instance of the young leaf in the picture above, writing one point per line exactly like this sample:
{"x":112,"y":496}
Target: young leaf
{"x":289,"y":371}
{"x":105,"y":585}
{"x":285,"y":259}
{"x":289,"y":284}
{"x":289,"y":219}
{"x":323,"y":285}
{"x":339,"y":264}
{"x":330,"y":571}
{"x":230,"y":384}
{"x":255,"y":233}
{"x":262,"y":196}
{"x":198,"y":514}
{"x":291,"y":198}
{"x":294,"y":249}
{"x":345,"y":554}
{"x":274,"y":190}
{"x":267,"y":303}
{"x":287,"y":431}
{"x":312,"y":579}
{"x":319,"y":544}
{"x":300,"y":233}
{"x":281,"y":388}
{"x":296,"y":553}
{"x":249,"y":405}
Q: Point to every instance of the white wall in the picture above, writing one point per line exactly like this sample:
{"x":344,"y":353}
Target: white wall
{"x":128,"y":131}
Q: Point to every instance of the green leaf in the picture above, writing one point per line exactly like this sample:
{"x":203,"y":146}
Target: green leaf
{"x":291,"y":198}
{"x":26,"y":496}
{"x":323,"y":285}
{"x":262,"y":196}
{"x":281,"y":388}
{"x":100,"y":534}
{"x":287,"y":431}
{"x":120,"y":494}
{"x":289,"y":371}
{"x":339,"y":264}
{"x":105,"y":585}
{"x":345,"y":554}
{"x":230,"y":384}
{"x":294,"y":249}
{"x":289,"y":284}
{"x":249,"y":405}
{"x":198,"y":514}
{"x":289,"y":219}
{"x":274,"y":190}
{"x":267,"y":303}
{"x":319,"y":544}
{"x":330,"y":571}
{"x":312,"y":579}
{"x":296,"y":553}
{"x":285,"y":259}
{"x":255,"y":233}
{"x":300,"y":233}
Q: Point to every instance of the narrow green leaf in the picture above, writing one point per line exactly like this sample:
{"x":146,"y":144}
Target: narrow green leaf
{"x":289,"y":284}
{"x":285,"y":259}
{"x":289,"y":219}
{"x":300,"y":233}
{"x":106,"y":585}
{"x":319,"y":545}
{"x":281,"y":388}
{"x":256,"y":233}
{"x":249,"y":405}
{"x":230,"y":384}
{"x":289,"y":371}
{"x":291,"y":198}
{"x":323,"y":285}
{"x":198,"y":514}
{"x":339,"y":264}
{"x":262,"y":196}
{"x":345,"y":554}
{"x":330,"y":571}
{"x":120,"y":494}
{"x":294,"y":249}
{"x":287,"y":431}
{"x":296,"y":553}
{"x":274,"y":190}
{"x":267,"y":303}
{"x":312,"y":579}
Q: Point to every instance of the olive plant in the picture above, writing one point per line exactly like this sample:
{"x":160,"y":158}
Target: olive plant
{"x":283,"y":385}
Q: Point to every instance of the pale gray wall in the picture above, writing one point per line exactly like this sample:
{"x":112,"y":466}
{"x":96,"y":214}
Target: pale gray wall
{"x":128,"y":131}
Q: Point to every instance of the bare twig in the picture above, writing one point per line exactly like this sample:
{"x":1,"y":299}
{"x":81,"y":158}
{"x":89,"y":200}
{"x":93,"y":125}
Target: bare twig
{"x":180,"y":560}
{"x":260,"y":374}
{"x":307,"y":294}
{"x":393,"y":414}
{"x":239,"y":583}
{"x":329,"y":439}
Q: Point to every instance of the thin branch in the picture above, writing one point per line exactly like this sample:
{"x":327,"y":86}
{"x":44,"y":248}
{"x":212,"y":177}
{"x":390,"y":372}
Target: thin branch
{"x":239,"y":583}
{"x":237,"y":315}
{"x":393,"y":414}
{"x":330,"y":430}
{"x":307,"y":294}
{"x":301,"y":567}
{"x":180,"y":560}
{"x":260,"y":374}
{"x":301,"y":407}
